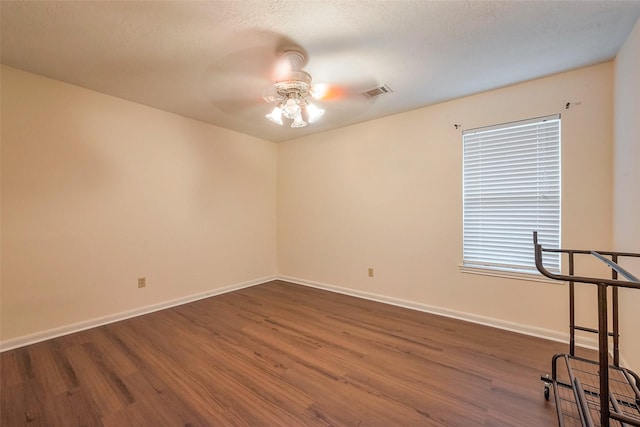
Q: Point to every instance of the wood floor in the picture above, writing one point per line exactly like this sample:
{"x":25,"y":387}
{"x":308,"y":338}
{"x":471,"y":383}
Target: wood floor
{"x":280,"y":354}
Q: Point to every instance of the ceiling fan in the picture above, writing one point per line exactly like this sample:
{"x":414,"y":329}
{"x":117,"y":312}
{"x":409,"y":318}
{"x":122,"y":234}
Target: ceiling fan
{"x":265,"y":74}
{"x":291,"y":91}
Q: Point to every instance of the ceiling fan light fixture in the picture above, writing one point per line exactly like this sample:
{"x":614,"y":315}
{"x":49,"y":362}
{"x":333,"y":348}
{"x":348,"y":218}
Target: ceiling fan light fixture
{"x":275,"y":116}
{"x":313,"y":112}
{"x":298,"y":122}
{"x":291,"y":108}
{"x":290,"y":92}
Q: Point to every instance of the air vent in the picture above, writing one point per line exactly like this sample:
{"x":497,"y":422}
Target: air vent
{"x":381,"y":90}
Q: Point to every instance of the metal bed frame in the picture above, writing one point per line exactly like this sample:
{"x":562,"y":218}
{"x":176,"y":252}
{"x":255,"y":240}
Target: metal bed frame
{"x":587,"y":390}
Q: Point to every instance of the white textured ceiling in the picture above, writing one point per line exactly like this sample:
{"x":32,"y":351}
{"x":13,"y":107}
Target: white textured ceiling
{"x":211,"y":60}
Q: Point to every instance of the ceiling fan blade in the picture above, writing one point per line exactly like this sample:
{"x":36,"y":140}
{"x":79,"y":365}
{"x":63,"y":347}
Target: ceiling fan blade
{"x":338,"y":92}
{"x":334,"y":93}
{"x":260,"y":53}
{"x":246,"y":73}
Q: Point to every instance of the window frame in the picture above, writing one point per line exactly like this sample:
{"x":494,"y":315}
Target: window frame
{"x":508,"y":133}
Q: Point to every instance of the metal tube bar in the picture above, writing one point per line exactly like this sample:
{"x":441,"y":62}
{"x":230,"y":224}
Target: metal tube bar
{"x":603,"y":355}
{"x":578,"y":393}
{"x":616,"y":267}
{"x":625,"y":419}
{"x":588,"y":252}
{"x":558,"y":404}
{"x":593,"y":331}
{"x":583,"y":405}
{"x":572,"y":309}
{"x":614,"y":308}
{"x":634,"y":382}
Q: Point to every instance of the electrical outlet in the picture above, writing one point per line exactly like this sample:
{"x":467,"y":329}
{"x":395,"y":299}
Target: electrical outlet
{"x":371,"y":272}
{"x":142,"y":282}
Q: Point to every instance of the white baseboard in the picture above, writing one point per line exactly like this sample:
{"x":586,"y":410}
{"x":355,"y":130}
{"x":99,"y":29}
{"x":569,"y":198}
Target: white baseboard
{"x":533,"y":331}
{"x":469,"y":317}
{"x":99,"y":321}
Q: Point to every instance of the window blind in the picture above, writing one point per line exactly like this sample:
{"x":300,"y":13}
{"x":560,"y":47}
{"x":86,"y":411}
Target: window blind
{"x":511,"y":187}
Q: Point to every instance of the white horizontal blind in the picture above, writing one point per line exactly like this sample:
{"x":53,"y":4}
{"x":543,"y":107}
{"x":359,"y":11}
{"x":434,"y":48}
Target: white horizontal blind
{"x":511,"y":187}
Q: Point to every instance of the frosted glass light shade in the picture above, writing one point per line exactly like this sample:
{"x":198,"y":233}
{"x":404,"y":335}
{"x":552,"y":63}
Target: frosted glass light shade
{"x":275,"y":116}
{"x":313,"y":112}
{"x":291,"y":108}
{"x":298,"y":122}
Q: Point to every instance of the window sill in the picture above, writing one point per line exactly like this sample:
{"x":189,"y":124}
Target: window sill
{"x":508,"y":274}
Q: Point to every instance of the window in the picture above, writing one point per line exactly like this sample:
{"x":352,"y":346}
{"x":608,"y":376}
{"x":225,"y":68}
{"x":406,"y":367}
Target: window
{"x":511,"y":187}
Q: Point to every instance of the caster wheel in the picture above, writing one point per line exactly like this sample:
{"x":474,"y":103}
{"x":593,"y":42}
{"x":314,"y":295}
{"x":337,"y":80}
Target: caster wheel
{"x":546,"y":392}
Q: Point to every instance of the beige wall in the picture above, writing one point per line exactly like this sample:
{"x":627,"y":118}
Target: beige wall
{"x":98,"y":191}
{"x":626,"y":220}
{"x":387,"y":194}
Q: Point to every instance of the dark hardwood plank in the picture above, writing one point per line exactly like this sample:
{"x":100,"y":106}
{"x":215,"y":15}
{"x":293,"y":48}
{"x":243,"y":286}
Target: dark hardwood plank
{"x":280,"y":354}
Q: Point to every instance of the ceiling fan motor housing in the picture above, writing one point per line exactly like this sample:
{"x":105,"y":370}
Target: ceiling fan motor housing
{"x":290,"y":92}
{"x":298,"y":82}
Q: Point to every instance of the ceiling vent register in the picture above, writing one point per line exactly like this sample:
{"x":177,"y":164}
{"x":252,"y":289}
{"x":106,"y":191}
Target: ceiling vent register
{"x":381,"y":90}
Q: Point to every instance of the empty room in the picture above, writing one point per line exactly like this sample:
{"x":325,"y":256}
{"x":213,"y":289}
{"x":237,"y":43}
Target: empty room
{"x":320,"y":213}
